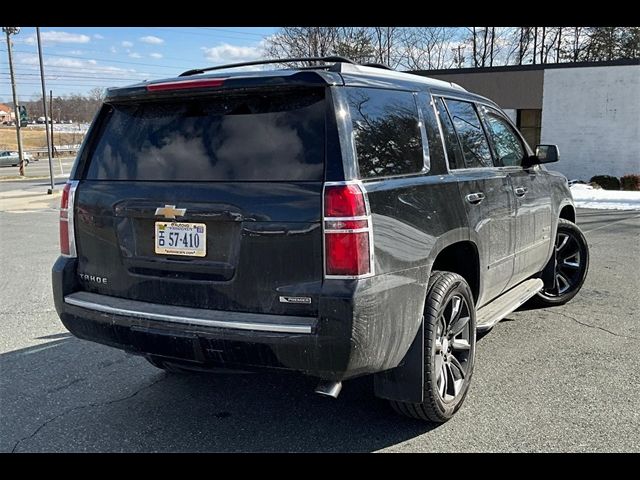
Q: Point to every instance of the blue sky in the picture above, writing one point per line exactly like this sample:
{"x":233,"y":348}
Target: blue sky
{"x":78,"y":59}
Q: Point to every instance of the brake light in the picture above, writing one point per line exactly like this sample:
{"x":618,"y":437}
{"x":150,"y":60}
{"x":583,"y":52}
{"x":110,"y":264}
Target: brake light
{"x":344,"y":201}
{"x":67,"y":235}
{"x":185,"y":84}
{"x":347,"y":232}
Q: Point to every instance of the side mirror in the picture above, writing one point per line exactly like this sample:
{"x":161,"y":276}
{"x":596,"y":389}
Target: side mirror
{"x":546,"y":154}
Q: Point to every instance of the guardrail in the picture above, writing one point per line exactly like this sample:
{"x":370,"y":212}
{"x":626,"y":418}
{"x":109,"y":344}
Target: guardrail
{"x":57,"y":150}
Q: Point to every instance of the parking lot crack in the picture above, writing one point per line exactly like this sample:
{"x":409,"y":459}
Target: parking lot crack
{"x":597,"y":327}
{"x":80,"y":407}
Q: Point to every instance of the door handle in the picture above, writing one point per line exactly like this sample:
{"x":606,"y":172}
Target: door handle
{"x":521,"y":191}
{"x":475,"y":198}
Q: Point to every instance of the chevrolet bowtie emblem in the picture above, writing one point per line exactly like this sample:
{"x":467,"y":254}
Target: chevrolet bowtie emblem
{"x":170,"y":211}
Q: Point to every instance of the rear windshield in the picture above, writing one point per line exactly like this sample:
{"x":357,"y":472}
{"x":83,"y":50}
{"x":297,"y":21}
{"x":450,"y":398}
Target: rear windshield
{"x":258,"y":136}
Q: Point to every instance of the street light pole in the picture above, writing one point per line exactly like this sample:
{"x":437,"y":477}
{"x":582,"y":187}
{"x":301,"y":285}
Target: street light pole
{"x":14,"y":31}
{"x":44,"y":107}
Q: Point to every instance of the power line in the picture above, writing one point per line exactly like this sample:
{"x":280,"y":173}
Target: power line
{"x":232,"y":31}
{"x":81,"y":49}
{"x":203,"y":34}
{"x":101,"y":59}
{"x":68,"y":75}
{"x":97,"y":69}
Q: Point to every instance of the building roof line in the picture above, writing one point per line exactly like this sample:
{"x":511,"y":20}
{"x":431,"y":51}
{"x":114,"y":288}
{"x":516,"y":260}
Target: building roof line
{"x":519,"y":68}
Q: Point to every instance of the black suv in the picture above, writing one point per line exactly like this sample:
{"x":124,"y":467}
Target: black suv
{"x":337,"y":220}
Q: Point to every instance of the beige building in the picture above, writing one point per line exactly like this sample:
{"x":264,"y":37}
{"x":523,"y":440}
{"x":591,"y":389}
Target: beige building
{"x":5,"y":113}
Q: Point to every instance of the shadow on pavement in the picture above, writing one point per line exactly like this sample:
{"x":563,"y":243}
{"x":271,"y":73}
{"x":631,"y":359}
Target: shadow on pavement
{"x":72,"y":395}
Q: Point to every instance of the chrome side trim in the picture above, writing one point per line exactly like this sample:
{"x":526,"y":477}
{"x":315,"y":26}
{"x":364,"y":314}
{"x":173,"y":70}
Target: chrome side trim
{"x":183,"y":319}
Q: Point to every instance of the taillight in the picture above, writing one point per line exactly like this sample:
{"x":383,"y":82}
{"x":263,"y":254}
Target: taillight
{"x":347,"y":232}
{"x":67,"y":235}
{"x":185,"y":84}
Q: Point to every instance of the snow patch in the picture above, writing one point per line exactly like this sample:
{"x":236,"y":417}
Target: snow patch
{"x":585,"y":196}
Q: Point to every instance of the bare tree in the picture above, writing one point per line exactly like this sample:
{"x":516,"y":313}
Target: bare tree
{"x":517,"y":41}
{"x":96,"y":94}
{"x":428,"y":48}
{"x":386,"y":42}
{"x":484,"y":46}
{"x":303,"y":42}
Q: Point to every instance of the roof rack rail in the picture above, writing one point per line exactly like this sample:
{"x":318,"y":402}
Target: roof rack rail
{"x":336,"y":59}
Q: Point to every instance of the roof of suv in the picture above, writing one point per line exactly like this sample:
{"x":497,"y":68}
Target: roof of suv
{"x":339,"y":73}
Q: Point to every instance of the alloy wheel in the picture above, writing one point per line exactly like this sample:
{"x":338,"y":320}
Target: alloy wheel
{"x":452,"y":348}
{"x":568,"y":271}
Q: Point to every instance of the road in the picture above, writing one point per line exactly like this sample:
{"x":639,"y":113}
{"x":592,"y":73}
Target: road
{"x":560,"y":379}
{"x":40,"y":169}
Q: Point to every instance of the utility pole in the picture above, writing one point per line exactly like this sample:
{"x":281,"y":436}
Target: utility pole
{"x":14,"y":31}
{"x":44,"y":106}
{"x":53,"y":144}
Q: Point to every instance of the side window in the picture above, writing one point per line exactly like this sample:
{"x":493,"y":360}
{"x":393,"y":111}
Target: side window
{"x":506,"y":143}
{"x":466,"y":122}
{"x":454,"y":153}
{"x":386,"y":129}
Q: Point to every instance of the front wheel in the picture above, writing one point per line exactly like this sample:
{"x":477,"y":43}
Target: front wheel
{"x":570,"y":261}
{"x":450,"y":344}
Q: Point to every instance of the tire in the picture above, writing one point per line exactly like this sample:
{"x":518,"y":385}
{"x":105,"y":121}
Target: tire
{"x":568,"y":275}
{"x":443,"y":396}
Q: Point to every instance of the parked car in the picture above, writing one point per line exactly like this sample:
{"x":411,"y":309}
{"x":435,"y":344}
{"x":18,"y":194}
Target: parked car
{"x":340,"y":221}
{"x":10,"y":158}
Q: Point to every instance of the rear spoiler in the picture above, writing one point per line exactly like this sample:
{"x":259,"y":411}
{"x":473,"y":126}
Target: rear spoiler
{"x":205,"y":85}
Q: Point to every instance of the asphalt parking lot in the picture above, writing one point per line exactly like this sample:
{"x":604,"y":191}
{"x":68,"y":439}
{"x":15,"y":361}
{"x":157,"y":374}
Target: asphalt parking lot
{"x":561,"y":379}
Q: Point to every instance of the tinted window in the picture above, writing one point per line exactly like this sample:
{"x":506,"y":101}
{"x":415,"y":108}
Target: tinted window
{"x":275,"y":136}
{"x":475,"y":148}
{"x":506,"y":143}
{"x":454,"y":153}
{"x":386,"y":129}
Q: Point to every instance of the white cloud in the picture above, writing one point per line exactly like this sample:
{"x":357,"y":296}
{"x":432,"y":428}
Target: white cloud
{"x":70,"y":66}
{"x":58,"y":37}
{"x":151,"y":40}
{"x":155,"y":55}
{"x":76,"y":52}
{"x":127,"y":44}
{"x":226,"y":53}
{"x":113,"y":49}
{"x":135,"y":55}
{"x":97,"y":36}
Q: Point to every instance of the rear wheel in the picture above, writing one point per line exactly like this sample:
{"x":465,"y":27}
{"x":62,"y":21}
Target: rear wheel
{"x":570,"y":262}
{"x":450,"y":342}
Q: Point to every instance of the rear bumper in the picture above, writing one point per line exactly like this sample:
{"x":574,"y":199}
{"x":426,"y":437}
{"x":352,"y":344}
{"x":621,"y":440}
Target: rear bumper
{"x":362,"y":327}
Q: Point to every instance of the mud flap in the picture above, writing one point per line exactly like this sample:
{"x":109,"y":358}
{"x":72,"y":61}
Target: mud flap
{"x":405,"y":383}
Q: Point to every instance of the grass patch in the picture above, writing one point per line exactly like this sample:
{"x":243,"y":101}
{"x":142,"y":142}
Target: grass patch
{"x":35,"y":138}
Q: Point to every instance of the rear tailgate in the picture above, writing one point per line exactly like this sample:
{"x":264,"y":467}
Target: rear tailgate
{"x":240,"y":171}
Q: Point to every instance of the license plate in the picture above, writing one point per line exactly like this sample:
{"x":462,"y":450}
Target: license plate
{"x":176,"y":238}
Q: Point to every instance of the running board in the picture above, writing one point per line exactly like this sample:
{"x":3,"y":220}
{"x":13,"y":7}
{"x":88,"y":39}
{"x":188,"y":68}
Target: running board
{"x":492,"y":313}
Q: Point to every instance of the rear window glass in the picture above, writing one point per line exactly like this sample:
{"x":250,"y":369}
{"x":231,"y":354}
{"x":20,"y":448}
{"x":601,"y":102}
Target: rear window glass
{"x":274,"y":136}
{"x":386,"y":128}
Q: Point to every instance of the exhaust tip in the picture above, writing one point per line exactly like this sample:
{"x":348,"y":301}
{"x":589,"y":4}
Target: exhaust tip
{"x":329,"y":389}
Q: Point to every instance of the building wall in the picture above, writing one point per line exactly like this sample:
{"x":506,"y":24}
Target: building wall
{"x":512,"y":90}
{"x":593,"y":115}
